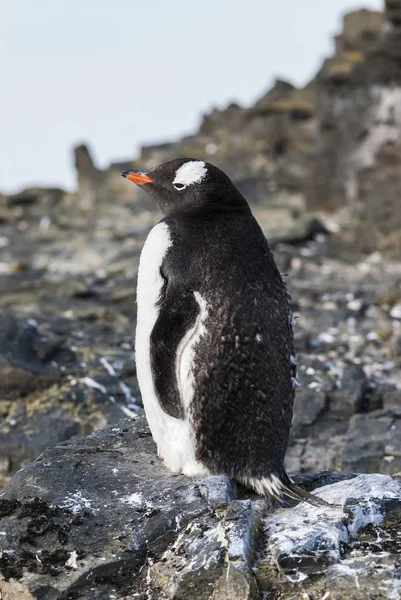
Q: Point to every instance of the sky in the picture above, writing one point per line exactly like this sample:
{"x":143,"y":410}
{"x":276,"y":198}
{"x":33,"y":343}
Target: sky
{"x":117,"y":74}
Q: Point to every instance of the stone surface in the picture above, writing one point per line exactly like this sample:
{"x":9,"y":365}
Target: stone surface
{"x":109,"y":501}
{"x":374,"y":442}
{"x":61,"y":376}
{"x":359,"y":130}
{"x":101,"y":517}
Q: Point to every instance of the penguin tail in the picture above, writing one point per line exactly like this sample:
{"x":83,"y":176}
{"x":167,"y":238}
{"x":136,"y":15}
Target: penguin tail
{"x":281,"y":487}
{"x":295,"y":492}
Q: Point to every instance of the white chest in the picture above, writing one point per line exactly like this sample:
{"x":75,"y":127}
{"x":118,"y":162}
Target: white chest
{"x":174,"y":437}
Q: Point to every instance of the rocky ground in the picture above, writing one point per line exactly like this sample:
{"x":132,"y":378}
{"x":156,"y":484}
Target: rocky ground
{"x":67,"y":300}
{"x":102,"y":518}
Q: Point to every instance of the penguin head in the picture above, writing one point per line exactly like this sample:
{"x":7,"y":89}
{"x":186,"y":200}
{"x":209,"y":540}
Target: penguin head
{"x":188,"y":184}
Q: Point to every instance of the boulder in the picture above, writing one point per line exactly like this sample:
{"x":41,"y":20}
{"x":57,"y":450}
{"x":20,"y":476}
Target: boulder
{"x":60,"y":378}
{"x":101,"y":517}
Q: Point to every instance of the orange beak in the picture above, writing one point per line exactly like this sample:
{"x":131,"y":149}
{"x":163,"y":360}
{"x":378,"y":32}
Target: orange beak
{"x":136,"y":177}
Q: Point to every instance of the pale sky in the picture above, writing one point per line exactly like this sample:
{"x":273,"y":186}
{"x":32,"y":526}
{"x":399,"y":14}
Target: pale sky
{"x":120,"y":73}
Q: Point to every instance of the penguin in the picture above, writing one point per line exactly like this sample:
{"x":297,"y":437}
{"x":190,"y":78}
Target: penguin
{"x":214,"y":343}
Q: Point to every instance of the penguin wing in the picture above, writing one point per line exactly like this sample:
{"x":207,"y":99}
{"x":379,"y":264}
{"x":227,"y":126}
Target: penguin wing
{"x":178,"y":311}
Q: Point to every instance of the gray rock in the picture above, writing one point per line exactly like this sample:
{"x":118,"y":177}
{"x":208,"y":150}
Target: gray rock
{"x":211,"y":558}
{"x":374,"y":442}
{"x":347,"y":399}
{"x":47,"y":394}
{"x":217,"y":490}
{"x":338,"y":544}
{"x":101,"y":517}
{"x":90,"y":510}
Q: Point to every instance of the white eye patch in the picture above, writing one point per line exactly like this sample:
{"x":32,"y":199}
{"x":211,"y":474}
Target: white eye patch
{"x":193,"y":171}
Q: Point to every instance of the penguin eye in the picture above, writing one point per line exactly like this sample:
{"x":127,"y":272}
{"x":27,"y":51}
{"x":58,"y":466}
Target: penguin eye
{"x":179,"y":186}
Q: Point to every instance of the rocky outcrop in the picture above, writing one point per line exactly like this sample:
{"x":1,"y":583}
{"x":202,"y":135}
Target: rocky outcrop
{"x":67,"y":316}
{"x":60,"y":379}
{"x":101,"y":517}
{"x":359,"y":131}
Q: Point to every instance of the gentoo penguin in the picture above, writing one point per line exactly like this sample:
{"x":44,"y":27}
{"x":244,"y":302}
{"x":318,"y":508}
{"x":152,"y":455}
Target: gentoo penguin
{"x":214,"y":343}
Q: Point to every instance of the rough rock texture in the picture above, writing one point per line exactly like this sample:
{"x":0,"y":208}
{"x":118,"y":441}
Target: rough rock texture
{"x":67,"y":316}
{"x":101,"y":517}
{"x":359,"y":131}
{"x":66,"y":331}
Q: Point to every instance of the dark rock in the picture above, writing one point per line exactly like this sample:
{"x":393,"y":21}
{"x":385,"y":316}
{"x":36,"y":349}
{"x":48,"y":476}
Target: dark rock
{"x":29,"y":360}
{"x":217,"y":490}
{"x":46,"y":393}
{"x":101,"y":516}
{"x":47,"y":197}
{"x":107,"y":502}
{"x":306,"y":229}
{"x":358,"y":127}
{"x":374,"y":442}
{"x":348,"y":397}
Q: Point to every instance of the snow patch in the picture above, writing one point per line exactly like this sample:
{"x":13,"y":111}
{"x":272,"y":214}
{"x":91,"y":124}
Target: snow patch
{"x":72,"y":561}
{"x":94,"y":384}
{"x":136,"y":500}
{"x":76,"y":503}
{"x":109,"y":368}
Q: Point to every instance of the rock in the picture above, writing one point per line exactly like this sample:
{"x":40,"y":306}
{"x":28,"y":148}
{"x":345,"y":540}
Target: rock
{"x":374,"y":442}
{"x":348,"y":397}
{"x":112,"y":490}
{"x":306,"y":229}
{"x":359,"y":130}
{"x":302,"y":543}
{"x":324,"y":550}
{"x":91,"y":189}
{"x":89,"y":488}
{"x":217,"y":490}
{"x":47,"y":395}
{"x":211,"y":558}
{"x":396,"y":311}
{"x":12,"y":590}
{"x":45,"y":197}
{"x":30,"y":360}
{"x":101,"y":517}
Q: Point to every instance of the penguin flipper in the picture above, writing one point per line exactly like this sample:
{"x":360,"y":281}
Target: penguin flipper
{"x":178,"y":311}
